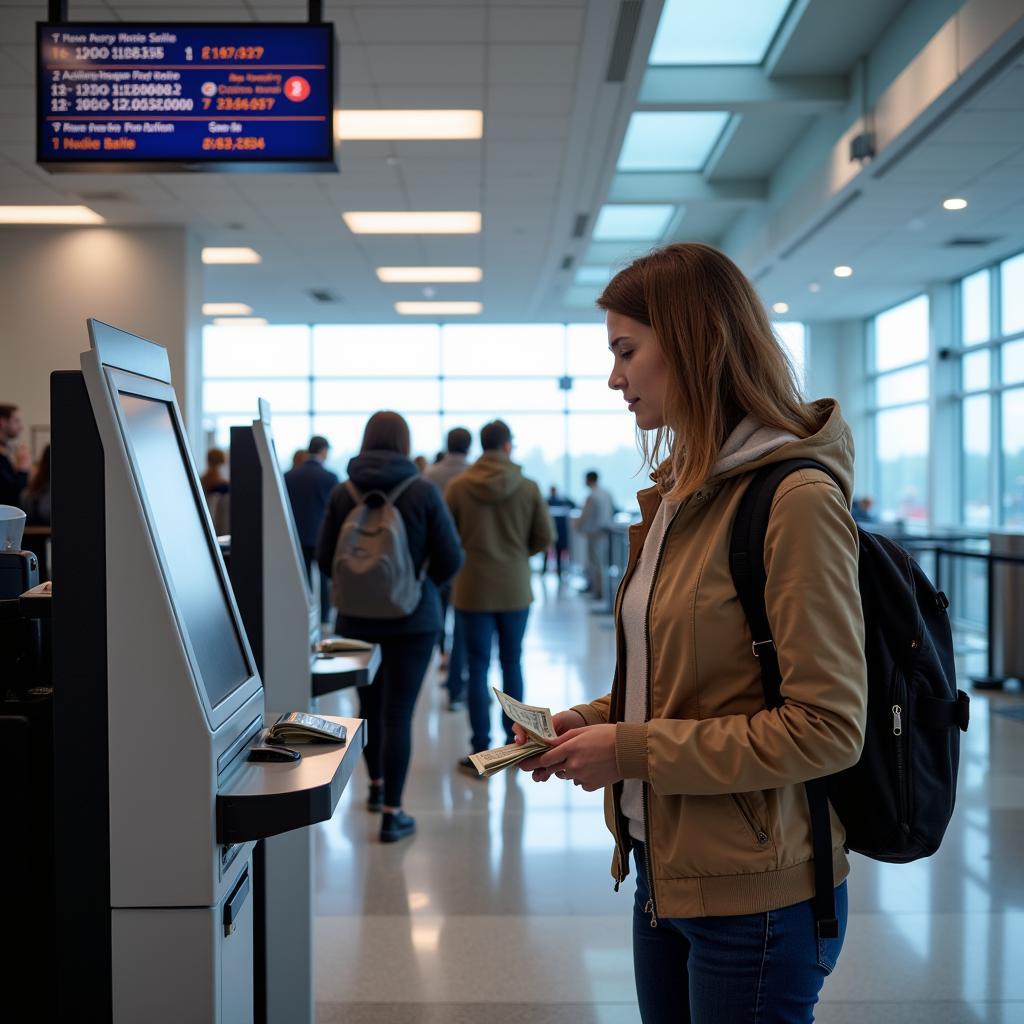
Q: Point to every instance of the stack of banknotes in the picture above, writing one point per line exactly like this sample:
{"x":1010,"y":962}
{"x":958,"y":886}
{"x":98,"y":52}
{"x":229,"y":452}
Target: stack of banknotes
{"x":536,"y":723}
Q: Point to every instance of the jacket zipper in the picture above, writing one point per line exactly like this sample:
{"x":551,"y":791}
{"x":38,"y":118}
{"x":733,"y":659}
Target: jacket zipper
{"x":899,"y":709}
{"x":652,"y":906}
{"x":758,"y":833}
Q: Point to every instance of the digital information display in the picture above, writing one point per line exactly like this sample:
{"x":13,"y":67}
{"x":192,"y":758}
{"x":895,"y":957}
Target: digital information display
{"x":192,"y":96}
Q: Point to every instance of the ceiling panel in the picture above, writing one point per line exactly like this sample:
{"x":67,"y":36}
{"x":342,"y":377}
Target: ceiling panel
{"x":420,"y":25}
{"x":538,"y":24}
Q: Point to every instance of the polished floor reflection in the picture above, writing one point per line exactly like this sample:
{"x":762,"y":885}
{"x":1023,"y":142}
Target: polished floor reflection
{"x":501,"y":908}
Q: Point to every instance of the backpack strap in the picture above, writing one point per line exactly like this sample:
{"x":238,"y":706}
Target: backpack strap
{"x":354,"y":492}
{"x":746,"y":562}
{"x":401,"y":487}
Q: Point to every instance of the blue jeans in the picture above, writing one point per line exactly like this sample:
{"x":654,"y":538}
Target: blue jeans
{"x":749,"y":969}
{"x":479,"y":628}
{"x":457,"y":663}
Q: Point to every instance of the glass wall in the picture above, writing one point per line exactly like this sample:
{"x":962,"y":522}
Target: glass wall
{"x":898,"y":377}
{"x":991,"y":337}
{"x":549,"y":381}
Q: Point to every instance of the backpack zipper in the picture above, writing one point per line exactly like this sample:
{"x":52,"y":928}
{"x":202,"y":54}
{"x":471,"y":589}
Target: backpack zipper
{"x":899,"y":709}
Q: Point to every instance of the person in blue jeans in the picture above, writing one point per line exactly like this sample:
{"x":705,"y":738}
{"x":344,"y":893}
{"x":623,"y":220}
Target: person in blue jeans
{"x":704,"y":782}
{"x":502,"y":520}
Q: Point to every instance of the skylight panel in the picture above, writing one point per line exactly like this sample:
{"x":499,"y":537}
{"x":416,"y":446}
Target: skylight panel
{"x":671,"y":140}
{"x":632,"y":222}
{"x":592,"y":275}
{"x":739,"y":32}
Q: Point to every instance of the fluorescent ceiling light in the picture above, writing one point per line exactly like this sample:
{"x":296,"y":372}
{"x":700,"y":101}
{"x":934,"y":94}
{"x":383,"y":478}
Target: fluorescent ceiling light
{"x":429,"y":275}
{"x":592,"y":275}
{"x":226,"y":309}
{"x":438,"y":308}
{"x":671,"y":140}
{"x":739,"y":32}
{"x":457,"y":222}
{"x":843,"y":271}
{"x":231,"y":254}
{"x":780,"y":307}
{"x":350,"y":125}
{"x":954,"y":204}
{"x":634,"y":222}
{"x":49,"y":215}
{"x":240,"y":321}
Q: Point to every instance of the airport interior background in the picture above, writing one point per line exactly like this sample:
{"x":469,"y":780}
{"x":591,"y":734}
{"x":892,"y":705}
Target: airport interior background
{"x":496,"y":163}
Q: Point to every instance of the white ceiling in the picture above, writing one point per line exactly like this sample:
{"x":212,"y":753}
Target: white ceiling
{"x":553,"y":127}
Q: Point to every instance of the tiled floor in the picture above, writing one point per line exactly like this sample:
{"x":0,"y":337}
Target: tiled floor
{"x":501,"y":908}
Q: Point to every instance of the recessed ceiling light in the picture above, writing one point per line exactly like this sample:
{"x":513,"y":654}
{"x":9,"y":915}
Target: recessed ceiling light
{"x":350,"y":125}
{"x":231,"y":254}
{"x":438,"y":308}
{"x":814,"y":287}
{"x":240,"y":321}
{"x":226,"y":309}
{"x":954,"y":203}
{"x":451,"y":222}
{"x":843,"y":271}
{"x":780,"y":307}
{"x":433,"y":275}
{"x":49,"y":215}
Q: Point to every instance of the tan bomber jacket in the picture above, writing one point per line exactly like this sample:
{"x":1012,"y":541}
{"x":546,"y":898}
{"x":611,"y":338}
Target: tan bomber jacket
{"x":728,"y":830}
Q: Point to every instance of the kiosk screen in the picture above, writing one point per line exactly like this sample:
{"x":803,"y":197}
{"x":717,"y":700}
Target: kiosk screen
{"x":285,"y":502}
{"x":198,"y":589}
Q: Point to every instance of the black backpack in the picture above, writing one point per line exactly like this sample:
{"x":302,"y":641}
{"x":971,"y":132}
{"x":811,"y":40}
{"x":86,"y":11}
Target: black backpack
{"x":896,"y":802}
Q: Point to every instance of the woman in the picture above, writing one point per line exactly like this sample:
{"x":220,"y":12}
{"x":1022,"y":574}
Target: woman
{"x":703,"y":784}
{"x":406,"y":643}
{"x":217,"y":490}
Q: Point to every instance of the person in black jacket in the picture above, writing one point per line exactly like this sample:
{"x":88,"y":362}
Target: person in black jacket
{"x":309,"y":484}
{"x":15,"y":461}
{"x":406,"y":643}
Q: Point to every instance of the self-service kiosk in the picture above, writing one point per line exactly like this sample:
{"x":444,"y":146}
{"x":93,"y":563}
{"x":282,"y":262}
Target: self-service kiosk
{"x":282,"y":622}
{"x":157,"y":702}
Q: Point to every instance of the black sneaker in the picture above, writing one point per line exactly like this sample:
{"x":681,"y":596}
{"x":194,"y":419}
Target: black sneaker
{"x":396,"y":825}
{"x":375,"y":798}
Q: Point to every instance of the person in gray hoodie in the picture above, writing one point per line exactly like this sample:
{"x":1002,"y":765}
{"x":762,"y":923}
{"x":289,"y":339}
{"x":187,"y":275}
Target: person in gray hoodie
{"x":502,"y":520}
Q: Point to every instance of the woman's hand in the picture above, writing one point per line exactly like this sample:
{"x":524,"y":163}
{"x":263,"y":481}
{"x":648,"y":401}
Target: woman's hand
{"x":586,"y":755}
{"x":563,"y":722}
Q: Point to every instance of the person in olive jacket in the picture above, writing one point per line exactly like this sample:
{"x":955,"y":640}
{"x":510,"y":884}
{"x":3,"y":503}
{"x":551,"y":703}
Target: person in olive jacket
{"x":502,"y":520}
{"x":406,"y":643}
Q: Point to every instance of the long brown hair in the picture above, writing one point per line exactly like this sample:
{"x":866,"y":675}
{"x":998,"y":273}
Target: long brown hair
{"x":386,"y":431}
{"x":723,"y":360}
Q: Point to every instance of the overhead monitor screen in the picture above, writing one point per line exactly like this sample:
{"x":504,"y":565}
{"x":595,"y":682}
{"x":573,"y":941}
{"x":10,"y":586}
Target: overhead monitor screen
{"x":177,"y":521}
{"x":201,"y":96}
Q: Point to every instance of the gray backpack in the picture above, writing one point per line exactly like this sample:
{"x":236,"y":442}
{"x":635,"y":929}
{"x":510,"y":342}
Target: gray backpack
{"x":372,"y":575}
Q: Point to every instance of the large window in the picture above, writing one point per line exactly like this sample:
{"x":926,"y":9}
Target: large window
{"x":549,"y":381}
{"x":992,"y":395}
{"x":899,"y":382}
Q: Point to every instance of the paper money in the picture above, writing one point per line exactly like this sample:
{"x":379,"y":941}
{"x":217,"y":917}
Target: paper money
{"x":536,"y":722}
{"x":490,"y":762}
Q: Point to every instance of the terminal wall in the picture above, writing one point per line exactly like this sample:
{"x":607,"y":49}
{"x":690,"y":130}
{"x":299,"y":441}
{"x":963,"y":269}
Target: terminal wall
{"x":144,"y":280}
